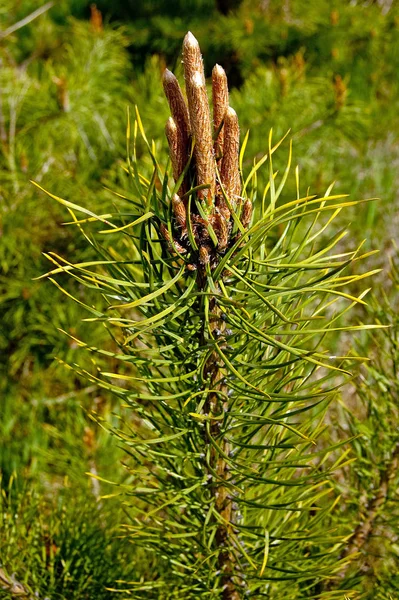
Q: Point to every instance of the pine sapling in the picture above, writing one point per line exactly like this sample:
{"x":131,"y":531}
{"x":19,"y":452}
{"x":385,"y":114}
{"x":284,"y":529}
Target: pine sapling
{"x":222,"y":302}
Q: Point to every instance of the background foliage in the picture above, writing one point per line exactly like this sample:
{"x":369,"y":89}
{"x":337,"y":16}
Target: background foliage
{"x":329,"y":71}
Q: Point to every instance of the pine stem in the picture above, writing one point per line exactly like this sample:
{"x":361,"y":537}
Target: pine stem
{"x":208,"y":247}
{"x":216,"y":405}
{"x":365,"y":528}
{"x":373,"y":508}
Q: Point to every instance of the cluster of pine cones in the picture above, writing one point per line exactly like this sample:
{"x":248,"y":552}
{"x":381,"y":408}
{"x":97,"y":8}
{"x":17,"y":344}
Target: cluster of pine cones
{"x":214,"y":166}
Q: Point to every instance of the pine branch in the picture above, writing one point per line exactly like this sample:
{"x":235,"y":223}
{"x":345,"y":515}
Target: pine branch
{"x":371,"y":511}
{"x":365,"y":529}
{"x":204,"y":168}
{"x":220,"y":317}
{"x":28,"y":19}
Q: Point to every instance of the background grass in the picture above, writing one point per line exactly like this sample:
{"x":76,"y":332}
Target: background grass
{"x":328,"y":71}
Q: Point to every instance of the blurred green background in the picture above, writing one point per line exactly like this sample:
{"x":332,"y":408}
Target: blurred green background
{"x":327,"y":70}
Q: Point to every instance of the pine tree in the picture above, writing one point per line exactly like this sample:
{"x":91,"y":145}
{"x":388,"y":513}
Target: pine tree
{"x":221,"y":300}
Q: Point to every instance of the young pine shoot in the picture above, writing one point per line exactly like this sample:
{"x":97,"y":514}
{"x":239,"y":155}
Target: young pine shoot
{"x":224,"y":302}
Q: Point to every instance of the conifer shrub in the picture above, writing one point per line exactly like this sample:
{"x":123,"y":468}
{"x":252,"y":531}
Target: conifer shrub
{"x":224,"y":303}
